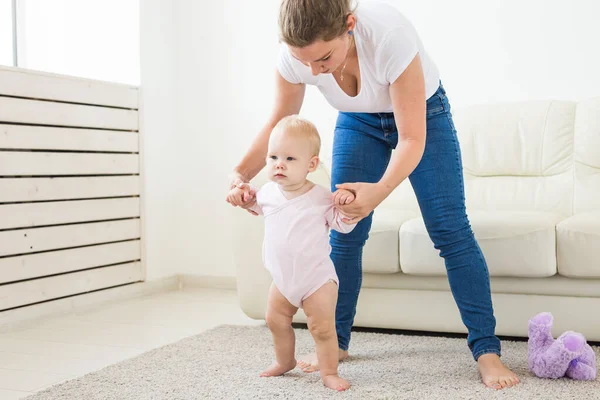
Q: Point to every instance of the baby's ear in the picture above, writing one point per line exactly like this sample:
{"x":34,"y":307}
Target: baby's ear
{"x":313,"y":164}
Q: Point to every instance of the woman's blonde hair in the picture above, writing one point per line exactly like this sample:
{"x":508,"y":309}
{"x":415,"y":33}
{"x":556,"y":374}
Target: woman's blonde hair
{"x":302,"y":22}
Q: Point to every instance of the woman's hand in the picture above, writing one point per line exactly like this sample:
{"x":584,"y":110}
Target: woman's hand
{"x":367,"y":197}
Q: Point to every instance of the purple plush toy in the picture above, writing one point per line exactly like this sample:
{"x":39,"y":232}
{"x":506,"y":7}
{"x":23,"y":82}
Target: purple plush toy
{"x":569,"y":355}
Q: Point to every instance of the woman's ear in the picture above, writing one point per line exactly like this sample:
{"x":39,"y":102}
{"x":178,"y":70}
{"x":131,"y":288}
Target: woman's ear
{"x":351,"y":22}
{"x":313,"y":164}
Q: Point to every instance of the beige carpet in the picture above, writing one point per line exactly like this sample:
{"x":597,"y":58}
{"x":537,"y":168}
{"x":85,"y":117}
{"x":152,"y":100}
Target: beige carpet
{"x":224,"y":363}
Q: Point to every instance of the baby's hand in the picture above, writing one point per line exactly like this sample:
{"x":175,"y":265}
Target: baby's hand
{"x":342,"y":197}
{"x":235,"y":196}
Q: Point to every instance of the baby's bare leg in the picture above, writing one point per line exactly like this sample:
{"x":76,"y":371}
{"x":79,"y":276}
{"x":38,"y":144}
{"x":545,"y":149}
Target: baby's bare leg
{"x":320,"y":312}
{"x":279,"y":319}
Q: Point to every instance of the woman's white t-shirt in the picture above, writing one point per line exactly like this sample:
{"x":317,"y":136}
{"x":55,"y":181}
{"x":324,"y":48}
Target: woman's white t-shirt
{"x":386,"y":43}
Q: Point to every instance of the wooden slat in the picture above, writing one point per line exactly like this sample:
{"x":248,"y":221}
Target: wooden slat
{"x":61,"y":261}
{"x":64,"y":212}
{"x":61,"y":114}
{"x":25,"y":163}
{"x":53,"y":126}
{"x":49,"y":138}
{"x":60,"y":237}
{"x":38,"y":189}
{"x":37,"y":290}
{"x":40,"y":85}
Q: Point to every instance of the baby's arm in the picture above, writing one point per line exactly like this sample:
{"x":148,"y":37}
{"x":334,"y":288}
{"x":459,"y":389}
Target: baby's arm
{"x":334,"y":216}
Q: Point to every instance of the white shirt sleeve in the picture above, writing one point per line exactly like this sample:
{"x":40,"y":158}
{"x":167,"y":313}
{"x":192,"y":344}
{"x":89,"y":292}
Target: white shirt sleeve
{"x":285,"y":66}
{"x":396,"y":52}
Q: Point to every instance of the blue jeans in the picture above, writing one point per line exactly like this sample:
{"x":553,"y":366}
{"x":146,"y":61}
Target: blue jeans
{"x":362,"y":148}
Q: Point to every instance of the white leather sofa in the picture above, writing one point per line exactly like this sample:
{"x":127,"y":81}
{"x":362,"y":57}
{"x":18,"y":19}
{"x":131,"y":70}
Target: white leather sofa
{"x":532,"y":181}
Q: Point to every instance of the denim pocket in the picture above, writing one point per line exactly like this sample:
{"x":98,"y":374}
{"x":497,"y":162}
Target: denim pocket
{"x":432,"y":112}
{"x":435,"y":106}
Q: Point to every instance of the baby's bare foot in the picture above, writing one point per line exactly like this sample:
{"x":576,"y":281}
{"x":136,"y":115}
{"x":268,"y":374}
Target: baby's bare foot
{"x":310,"y":363}
{"x":336,"y":383}
{"x":494,"y":373}
{"x":277,"y":369}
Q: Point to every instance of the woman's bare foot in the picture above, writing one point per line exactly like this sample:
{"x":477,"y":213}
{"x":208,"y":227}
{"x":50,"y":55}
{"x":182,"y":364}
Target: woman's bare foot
{"x":310,"y":363}
{"x":277,"y":369}
{"x":336,"y":383}
{"x":494,"y":373}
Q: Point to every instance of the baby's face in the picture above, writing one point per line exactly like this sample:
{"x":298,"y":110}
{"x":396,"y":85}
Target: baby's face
{"x":289,"y":159}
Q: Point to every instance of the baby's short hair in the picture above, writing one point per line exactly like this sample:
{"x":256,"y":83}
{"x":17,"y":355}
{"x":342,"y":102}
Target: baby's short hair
{"x":301,"y":127}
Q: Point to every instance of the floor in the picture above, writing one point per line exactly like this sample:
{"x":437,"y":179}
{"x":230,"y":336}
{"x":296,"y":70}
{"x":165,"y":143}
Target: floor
{"x":50,"y":351}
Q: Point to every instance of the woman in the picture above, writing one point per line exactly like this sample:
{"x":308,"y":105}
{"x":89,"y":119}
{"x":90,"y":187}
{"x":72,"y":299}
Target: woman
{"x":370,"y":64}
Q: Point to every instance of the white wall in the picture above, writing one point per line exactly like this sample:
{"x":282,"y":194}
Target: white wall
{"x":158,"y":57}
{"x":226,"y":70}
{"x":488,"y":51}
{"x":504,"y":50}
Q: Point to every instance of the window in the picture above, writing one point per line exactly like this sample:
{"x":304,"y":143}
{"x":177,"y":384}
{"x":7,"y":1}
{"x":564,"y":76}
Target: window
{"x":6,"y":33}
{"x":96,"y":39}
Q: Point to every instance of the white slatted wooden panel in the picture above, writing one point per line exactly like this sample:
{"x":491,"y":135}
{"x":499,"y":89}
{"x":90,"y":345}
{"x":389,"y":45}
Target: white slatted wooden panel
{"x":60,"y":237}
{"x":39,"y":85}
{"x":38,"y":189}
{"x":27,"y":163}
{"x":58,"y":262}
{"x":38,"y":290}
{"x":65,"y":212}
{"x":54,"y":130}
{"x":48,"y":138}
{"x":62,"y":114}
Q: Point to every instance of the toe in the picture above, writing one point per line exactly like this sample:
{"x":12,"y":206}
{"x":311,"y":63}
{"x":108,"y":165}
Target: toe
{"x":493,"y":384}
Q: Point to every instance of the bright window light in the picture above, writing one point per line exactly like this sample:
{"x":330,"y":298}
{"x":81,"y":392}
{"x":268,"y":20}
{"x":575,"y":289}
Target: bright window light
{"x":97,"y":39}
{"x":6,"y":30}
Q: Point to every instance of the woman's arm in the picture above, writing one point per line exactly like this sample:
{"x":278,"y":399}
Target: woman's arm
{"x":288,"y":101}
{"x":409,"y":105}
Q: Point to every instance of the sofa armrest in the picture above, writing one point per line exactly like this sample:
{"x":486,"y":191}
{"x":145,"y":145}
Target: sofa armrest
{"x":253,"y":280}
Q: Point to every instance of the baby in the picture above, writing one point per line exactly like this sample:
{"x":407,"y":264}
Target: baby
{"x":298,"y":215}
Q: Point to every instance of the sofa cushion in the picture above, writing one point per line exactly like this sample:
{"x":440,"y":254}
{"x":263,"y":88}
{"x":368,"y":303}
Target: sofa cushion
{"x":517,"y":244}
{"x":587,"y":156}
{"x":518,"y":156}
{"x":380,"y":255}
{"x":578,"y":240}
